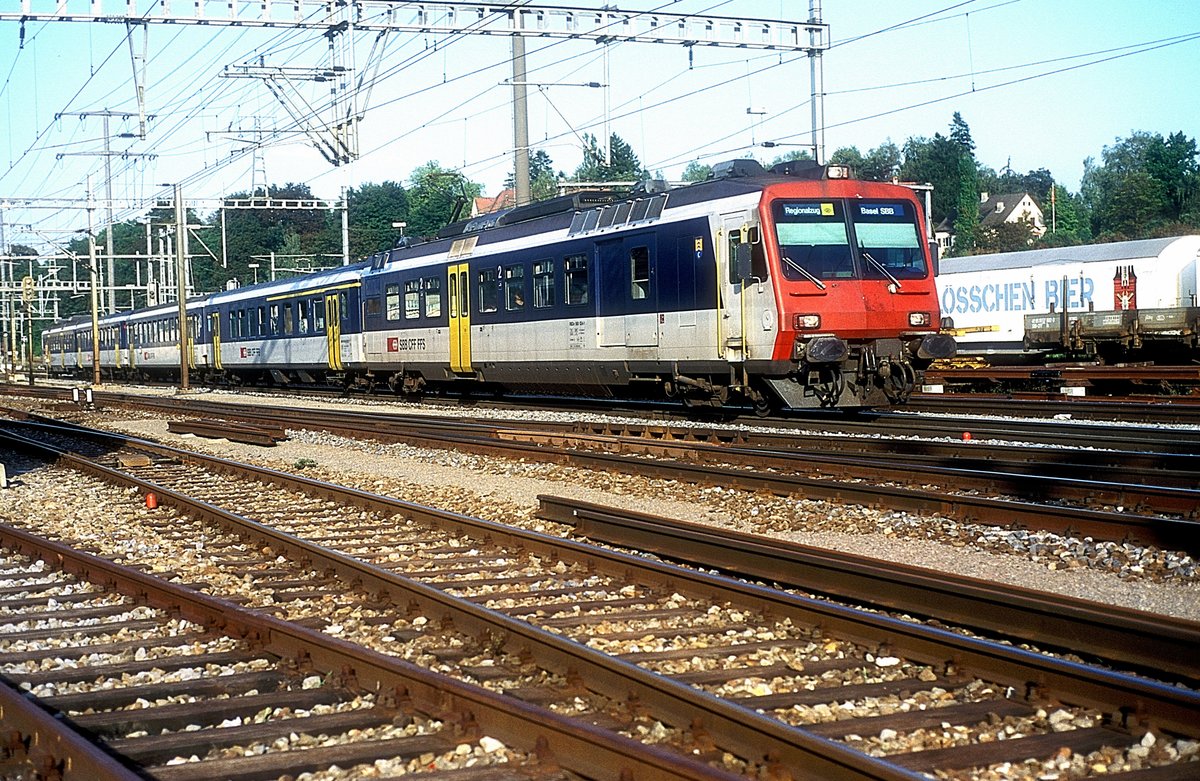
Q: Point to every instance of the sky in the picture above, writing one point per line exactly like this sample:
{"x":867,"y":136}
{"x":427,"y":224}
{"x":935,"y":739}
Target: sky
{"x":1041,"y":84}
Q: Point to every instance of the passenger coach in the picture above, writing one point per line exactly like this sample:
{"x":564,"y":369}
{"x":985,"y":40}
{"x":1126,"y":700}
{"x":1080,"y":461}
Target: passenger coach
{"x":796,"y":286}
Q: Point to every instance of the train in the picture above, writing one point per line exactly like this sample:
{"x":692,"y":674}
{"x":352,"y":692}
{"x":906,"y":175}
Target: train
{"x":795,"y":286}
{"x":1129,"y":301}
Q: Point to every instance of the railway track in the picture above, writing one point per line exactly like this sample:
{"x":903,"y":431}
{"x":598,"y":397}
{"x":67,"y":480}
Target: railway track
{"x":722,"y":664}
{"x":1148,"y":498}
{"x":110,"y":673}
{"x":1149,"y":410}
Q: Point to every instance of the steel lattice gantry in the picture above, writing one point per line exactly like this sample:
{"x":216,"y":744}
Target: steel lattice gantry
{"x":603,"y":25}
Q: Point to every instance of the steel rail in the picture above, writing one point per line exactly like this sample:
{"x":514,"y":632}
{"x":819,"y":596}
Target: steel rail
{"x":490,"y":439}
{"x":1129,"y":700}
{"x":45,"y":747}
{"x":1182,"y":410}
{"x":1150,"y":643}
{"x":589,"y":750}
{"x":730,"y":724}
{"x":1134,"y":439}
{"x":1103,"y":486}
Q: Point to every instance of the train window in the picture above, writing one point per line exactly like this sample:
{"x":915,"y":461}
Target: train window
{"x":543,"y":283}
{"x":302,"y":316}
{"x":812,"y":240}
{"x":514,"y":288}
{"x":373,"y":307}
{"x":433,"y":297}
{"x":287,"y":326}
{"x":888,"y":239}
{"x":275,"y":324}
{"x":344,"y":305}
{"x":262,"y":321}
{"x":393,"y":302}
{"x":575,"y":279}
{"x":412,"y":299}
{"x":639,"y":272}
{"x":489,"y":290}
{"x":318,"y":310}
{"x":640,"y":207}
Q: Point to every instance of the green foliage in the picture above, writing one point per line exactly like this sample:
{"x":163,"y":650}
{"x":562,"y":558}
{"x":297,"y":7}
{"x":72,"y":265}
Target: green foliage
{"x":543,"y":182}
{"x":1036,"y":183}
{"x":847,"y":155}
{"x":934,"y":161}
{"x":1006,"y":237}
{"x":966,"y":219}
{"x":787,"y":157}
{"x":1146,"y":186}
{"x":623,"y":165}
{"x":435,"y":194}
{"x":696,"y":172}
{"x":373,"y":209}
{"x":1066,"y":220}
{"x":881,"y":164}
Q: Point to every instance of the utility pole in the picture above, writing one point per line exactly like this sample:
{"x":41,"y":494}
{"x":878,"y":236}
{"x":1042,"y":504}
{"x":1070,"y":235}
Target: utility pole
{"x":345,"y":226}
{"x":520,"y":118}
{"x":92,"y":271}
{"x":181,"y":283}
{"x":5,"y":316}
{"x":817,"y":77}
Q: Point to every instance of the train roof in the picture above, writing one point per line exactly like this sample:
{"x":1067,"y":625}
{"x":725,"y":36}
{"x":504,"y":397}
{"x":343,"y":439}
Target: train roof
{"x":297,"y":284}
{"x":729,"y":179}
{"x":1180,"y":249}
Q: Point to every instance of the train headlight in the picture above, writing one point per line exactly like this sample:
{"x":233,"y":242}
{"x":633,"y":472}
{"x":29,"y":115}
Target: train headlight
{"x":919,"y":318}
{"x":806,"y":322}
{"x":837,"y":172}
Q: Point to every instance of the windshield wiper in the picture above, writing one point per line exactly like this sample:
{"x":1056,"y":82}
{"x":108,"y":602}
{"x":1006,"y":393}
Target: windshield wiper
{"x":882,"y":268}
{"x":808,"y":275}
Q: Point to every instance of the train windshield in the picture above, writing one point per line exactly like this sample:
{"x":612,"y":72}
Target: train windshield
{"x":825,"y":239}
{"x":888,"y":240}
{"x":813,"y":242}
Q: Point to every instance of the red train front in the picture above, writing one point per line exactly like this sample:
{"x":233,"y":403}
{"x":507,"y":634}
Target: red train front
{"x":854,"y":288}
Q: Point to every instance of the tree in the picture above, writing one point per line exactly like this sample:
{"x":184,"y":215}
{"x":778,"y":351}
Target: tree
{"x":787,"y":157}
{"x":621,"y":165}
{"x":1036,"y":183}
{"x":934,"y":161}
{"x":1172,"y":162}
{"x":881,"y":164}
{"x":1066,"y":220}
{"x":543,"y":183}
{"x":696,"y":172}
{"x":966,"y":221}
{"x":1146,"y":186}
{"x":435,"y":195}
{"x":373,"y":209}
{"x":1006,"y":237}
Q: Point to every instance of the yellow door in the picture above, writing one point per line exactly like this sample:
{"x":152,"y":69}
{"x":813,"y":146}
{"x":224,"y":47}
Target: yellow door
{"x":333,"y":330}
{"x":460,"y":320}
{"x":215,"y":324}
